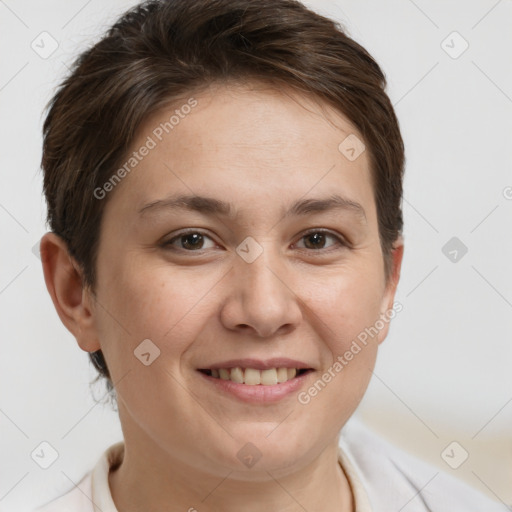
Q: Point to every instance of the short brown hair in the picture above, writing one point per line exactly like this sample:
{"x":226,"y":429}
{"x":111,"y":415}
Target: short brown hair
{"x":164,"y":50}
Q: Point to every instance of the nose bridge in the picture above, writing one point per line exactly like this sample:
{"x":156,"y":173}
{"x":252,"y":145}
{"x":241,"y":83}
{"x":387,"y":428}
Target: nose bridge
{"x":261,"y":297}
{"x":259,"y":276}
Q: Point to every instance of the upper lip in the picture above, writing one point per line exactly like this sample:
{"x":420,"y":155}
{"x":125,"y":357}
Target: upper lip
{"x":259,"y":364}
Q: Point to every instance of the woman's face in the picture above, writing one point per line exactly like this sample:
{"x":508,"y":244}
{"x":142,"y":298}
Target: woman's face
{"x":264,"y":265}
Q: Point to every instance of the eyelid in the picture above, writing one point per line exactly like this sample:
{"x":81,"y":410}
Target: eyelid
{"x":342,"y":242}
{"x":167,"y":242}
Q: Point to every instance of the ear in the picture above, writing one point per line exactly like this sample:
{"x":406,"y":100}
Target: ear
{"x":71,"y":298}
{"x":388,"y":312}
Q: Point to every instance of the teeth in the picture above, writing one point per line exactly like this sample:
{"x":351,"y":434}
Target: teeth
{"x":237,"y":375}
{"x":224,"y":374}
{"x":253,"y":377}
{"x":269,"y":377}
{"x":282,"y":374}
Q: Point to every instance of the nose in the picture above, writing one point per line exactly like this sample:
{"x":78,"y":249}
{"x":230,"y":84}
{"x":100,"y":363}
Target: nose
{"x":262,"y":299}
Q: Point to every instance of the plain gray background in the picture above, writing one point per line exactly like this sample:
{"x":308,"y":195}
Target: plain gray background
{"x":442,"y":375}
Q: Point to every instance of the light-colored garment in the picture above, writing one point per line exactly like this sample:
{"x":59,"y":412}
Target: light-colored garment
{"x":382,"y":477}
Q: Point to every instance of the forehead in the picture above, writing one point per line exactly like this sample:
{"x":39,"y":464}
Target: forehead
{"x":242,"y":144}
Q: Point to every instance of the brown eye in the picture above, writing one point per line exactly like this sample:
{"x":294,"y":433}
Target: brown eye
{"x":316,"y":240}
{"x":190,"y":241}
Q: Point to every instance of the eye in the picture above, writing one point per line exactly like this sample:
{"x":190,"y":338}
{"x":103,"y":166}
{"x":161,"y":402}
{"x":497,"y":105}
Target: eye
{"x":316,"y":239}
{"x":196,"y":241}
{"x":189,"y":241}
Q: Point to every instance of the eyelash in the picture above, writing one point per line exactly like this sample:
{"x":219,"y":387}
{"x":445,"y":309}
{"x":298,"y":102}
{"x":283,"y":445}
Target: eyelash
{"x":340,"y":241}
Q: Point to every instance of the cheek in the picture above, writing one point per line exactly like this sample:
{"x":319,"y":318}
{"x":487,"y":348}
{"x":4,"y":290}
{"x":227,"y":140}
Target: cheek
{"x":348,"y":303}
{"x":348,"y":308}
{"x":142,"y":300}
{"x":154,"y":315}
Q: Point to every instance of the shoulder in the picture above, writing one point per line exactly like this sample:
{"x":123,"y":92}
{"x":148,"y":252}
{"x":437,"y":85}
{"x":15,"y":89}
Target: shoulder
{"x":77,"y":499}
{"x":93,"y":492}
{"x":397,"y":480}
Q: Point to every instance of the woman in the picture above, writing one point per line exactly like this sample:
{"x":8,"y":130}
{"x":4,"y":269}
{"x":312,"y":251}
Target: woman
{"x":224,"y":181}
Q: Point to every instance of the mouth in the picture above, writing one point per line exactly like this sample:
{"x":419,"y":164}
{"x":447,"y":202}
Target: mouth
{"x":255,"y":381}
{"x":254,"y":376}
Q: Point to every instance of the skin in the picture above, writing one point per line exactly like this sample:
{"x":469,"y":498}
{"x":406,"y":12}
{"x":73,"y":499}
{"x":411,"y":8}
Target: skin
{"x":261,"y":150}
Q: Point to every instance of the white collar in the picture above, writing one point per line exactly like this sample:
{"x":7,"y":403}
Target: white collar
{"x":102,"y":497}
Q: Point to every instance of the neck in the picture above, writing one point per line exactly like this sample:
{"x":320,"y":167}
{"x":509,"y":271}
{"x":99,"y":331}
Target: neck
{"x":150,"y":479}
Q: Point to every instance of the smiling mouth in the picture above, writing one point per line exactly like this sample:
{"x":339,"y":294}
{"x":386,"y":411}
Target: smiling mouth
{"x":254,"y":377}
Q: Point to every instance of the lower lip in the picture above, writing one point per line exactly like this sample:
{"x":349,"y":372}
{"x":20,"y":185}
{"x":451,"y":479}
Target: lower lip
{"x":258,"y":393}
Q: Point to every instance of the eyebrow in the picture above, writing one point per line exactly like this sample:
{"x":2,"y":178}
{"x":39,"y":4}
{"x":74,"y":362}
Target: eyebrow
{"x":210,"y":205}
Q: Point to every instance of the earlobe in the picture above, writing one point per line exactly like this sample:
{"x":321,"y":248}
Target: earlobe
{"x":398,"y":253}
{"x":64,"y":282}
{"x":388,"y":309}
